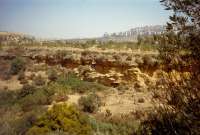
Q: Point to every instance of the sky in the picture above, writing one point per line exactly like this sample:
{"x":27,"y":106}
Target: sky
{"x":78,"y":18}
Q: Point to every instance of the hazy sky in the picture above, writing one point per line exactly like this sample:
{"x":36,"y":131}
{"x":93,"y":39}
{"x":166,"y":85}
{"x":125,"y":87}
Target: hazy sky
{"x":78,"y":18}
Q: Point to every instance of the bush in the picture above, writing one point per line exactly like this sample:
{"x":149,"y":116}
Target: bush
{"x":17,"y":65}
{"x":113,"y":125}
{"x":90,"y":103}
{"x":26,"y":90}
{"x":149,"y":61}
{"x":24,"y":81}
{"x":7,"y":97}
{"x":39,"y":97}
{"x":12,"y":122}
{"x":78,"y":85}
{"x":166,"y":123}
{"x":64,"y":118}
{"x":21,"y":76}
{"x":141,"y":100}
{"x":31,"y":96}
{"x":6,"y":75}
{"x":52,"y":75}
{"x":57,"y":92}
{"x":39,"y":81}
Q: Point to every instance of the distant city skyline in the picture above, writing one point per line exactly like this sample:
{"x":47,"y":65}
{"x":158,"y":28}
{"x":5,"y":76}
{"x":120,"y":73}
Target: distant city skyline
{"x":78,"y":18}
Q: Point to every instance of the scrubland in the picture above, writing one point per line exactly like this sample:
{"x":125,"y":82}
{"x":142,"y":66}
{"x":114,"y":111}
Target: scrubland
{"x":65,"y":90}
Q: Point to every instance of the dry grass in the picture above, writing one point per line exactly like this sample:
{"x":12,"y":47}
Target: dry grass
{"x":11,"y":84}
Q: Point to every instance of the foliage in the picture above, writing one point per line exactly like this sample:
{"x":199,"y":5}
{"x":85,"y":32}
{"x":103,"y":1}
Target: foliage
{"x":39,"y":81}
{"x":183,"y":114}
{"x":17,"y":65}
{"x":78,"y":85}
{"x":146,"y":45}
{"x":168,"y":123}
{"x":183,"y":30}
{"x":57,"y":92}
{"x":90,"y":103}
{"x":7,"y":97}
{"x":38,"y":98}
{"x":114,"y":125}
{"x":26,"y":90}
{"x":32,"y":96}
{"x":149,"y":43}
{"x":52,"y":75}
{"x":180,"y":50}
{"x":150,"y":61}
{"x":6,"y":75}
{"x":64,"y":118}
{"x":21,"y":76}
{"x":12,"y":122}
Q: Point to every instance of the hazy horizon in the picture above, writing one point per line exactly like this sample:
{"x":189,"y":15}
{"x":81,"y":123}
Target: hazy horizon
{"x":78,"y":18}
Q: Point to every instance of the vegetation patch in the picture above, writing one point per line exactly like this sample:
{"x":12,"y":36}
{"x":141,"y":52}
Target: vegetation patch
{"x":78,"y":85}
{"x":17,"y":65}
{"x":63,"y":118}
{"x":90,"y":103}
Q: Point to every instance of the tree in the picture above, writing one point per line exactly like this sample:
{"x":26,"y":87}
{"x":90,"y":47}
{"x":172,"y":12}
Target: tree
{"x":180,"y":48}
{"x":183,"y":30}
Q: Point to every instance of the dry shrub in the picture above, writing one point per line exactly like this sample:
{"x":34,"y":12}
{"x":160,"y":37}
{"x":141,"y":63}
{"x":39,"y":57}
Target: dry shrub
{"x":52,"y":75}
{"x":21,"y":76}
{"x":39,"y":81}
{"x":90,"y":103}
{"x":141,"y":100}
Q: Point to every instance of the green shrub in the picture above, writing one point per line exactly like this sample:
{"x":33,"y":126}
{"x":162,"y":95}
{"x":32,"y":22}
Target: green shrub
{"x":17,"y":65}
{"x":58,"y":88}
{"x":113,"y":126}
{"x":57,"y":92}
{"x":38,"y":98}
{"x":64,"y":118}
{"x":90,"y":103}
{"x":31,"y":96}
{"x":7,"y":97}
{"x":78,"y":85}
